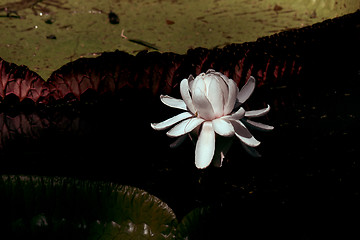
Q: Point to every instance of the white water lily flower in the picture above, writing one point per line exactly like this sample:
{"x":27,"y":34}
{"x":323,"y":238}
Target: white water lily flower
{"x":212,"y":104}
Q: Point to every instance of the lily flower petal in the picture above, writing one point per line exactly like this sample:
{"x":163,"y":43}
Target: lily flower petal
{"x":223,"y":127}
{"x":246,"y":90}
{"x":231,"y":100}
{"x":216,"y":97}
{"x":185,"y":94}
{"x":178,"y":141}
{"x":239,"y":114}
{"x":203,"y":105}
{"x":243,"y":134}
{"x":199,"y":82}
{"x":257,"y":113}
{"x":173,"y":102}
{"x":190,"y":81}
{"x":171,"y":121}
{"x":205,"y":146}
{"x":259,"y":126}
{"x":184,"y":127}
{"x":223,"y":80}
{"x":251,"y":151}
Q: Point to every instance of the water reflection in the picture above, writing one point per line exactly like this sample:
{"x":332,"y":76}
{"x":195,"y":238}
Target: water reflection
{"x":21,"y":125}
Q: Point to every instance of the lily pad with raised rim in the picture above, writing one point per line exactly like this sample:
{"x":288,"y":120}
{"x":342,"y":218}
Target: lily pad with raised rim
{"x":44,"y":35}
{"x":67,"y":208}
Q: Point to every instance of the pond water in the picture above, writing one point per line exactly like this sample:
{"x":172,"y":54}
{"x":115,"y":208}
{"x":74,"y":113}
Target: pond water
{"x":305,"y":186}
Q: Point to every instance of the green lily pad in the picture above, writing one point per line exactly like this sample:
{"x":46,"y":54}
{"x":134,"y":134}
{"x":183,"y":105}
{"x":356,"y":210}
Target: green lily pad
{"x":44,"y":35}
{"x":194,"y":223}
{"x":66,"y":208}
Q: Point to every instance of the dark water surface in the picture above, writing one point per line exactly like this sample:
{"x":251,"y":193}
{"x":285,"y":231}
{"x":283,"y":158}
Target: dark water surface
{"x":306,"y":185}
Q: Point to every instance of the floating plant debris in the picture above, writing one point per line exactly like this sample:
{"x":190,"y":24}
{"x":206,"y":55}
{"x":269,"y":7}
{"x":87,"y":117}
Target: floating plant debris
{"x":143,"y":43}
{"x":113,"y":18}
{"x":51,"y":36}
{"x":38,"y":7}
{"x":169,"y":22}
{"x":49,"y":21}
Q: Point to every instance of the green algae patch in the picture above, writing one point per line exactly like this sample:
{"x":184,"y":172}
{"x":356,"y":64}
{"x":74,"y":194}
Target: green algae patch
{"x":44,"y":35}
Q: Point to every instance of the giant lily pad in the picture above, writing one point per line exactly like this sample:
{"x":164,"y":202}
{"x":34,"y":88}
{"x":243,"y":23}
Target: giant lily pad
{"x":45,"y":35}
{"x":66,"y":208}
{"x":192,"y":226}
{"x":276,"y":58}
